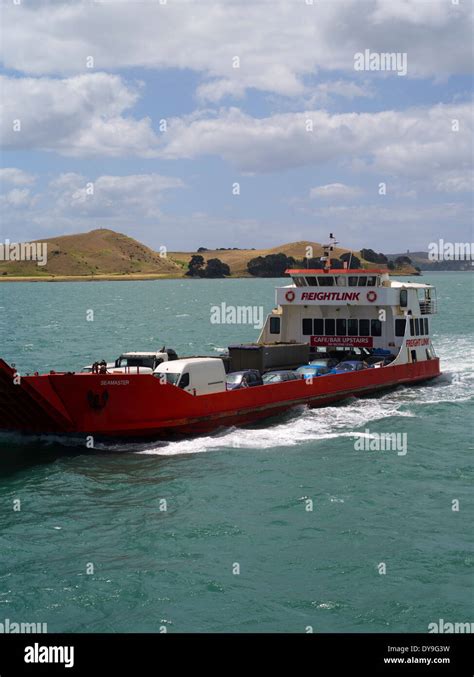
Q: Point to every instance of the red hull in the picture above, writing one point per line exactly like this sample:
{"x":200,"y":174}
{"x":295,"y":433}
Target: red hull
{"x":132,"y":405}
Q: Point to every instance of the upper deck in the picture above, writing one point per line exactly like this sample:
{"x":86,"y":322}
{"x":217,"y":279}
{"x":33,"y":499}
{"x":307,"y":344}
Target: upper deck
{"x":355,"y":287}
{"x":338,"y":277}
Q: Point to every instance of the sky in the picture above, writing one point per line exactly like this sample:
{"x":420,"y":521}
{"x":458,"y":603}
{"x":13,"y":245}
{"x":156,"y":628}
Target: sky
{"x":230,"y":123}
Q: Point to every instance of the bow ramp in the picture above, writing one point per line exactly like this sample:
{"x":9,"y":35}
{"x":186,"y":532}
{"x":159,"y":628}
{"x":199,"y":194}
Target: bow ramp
{"x":30,"y":404}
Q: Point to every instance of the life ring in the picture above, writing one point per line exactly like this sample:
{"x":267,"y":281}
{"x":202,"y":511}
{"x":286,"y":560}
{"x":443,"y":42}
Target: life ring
{"x":371,"y":296}
{"x":290,"y":296}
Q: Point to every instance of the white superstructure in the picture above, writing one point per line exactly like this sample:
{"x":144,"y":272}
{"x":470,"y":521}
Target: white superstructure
{"x":344,"y":308}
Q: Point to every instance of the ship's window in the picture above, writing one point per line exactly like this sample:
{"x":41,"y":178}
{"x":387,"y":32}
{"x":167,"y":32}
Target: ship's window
{"x":341,"y":280}
{"x":427,"y":326}
{"x":421,"y":326}
{"x":371,"y":281}
{"x":307,"y":326}
{"x":364,"y":328}
{"x":136,"y":362}
{"x":299,"y":281}
{"x":311,"y":281}
{"x":326,"y":281}
{"x":400,"y":327}
{"x":412,"y":327}
{"x":362,"y":281}
{"x":352,"y":327}
{"x":417,"y":327}
{"x":329,"y":327}
{"x":352,"y":281}
{"x":376,"y":327}
{"x":274,"y":325}
{"x":403,"y":298}
{"x":413,"y":355}
{"x":341,"y":329}
{"x":184,"y":380}
{"x":428,"y":354}
{"x":319,"y":327}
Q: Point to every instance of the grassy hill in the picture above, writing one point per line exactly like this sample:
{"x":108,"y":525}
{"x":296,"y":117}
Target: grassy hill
{"x":237,"y":259}
{"x":99,"y":252}
{"x":105,"y":254}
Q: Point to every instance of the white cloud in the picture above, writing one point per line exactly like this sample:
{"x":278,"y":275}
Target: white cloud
{"x":16,"y":177}
{"x":132,"y":196}
{"x":395,"y":227}
{"x":78,"y":116}
{"x":334,"y":190}
{"x":86,"y":116}
{"x":456,"y":182}
{"x":324,"y":92}
{"x":215,"y":90}
{"x":17,"y":199}
{"x":73,"y":203}
{"x":278,"y":42}
{"x":415,"y":143}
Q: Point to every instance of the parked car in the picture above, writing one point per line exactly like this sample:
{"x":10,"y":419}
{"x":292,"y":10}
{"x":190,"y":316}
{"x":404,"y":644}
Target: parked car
{"x":376,"y":361}
{"x":329,"y":362}
{"x":312,"y":370}
{"x":243,"y":379}
{"x":280,"y":376}
{"x":351,"y":365}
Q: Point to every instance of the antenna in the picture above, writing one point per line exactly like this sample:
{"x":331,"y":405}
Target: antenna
{"x":327,"y":250}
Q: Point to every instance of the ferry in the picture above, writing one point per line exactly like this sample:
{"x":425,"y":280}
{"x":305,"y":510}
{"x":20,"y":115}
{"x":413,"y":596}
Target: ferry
{"x":338,"y":315}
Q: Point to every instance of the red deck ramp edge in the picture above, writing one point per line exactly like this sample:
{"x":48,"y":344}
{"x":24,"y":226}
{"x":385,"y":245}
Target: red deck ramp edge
{"x":28,"y":408}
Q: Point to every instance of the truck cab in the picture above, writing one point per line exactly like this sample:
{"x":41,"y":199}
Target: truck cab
{"x":138,"y":362}
{"x":145,"y":362}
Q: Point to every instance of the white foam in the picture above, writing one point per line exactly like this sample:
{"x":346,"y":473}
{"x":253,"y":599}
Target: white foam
{"x":307,"y":425}
{"x":455,"y":385}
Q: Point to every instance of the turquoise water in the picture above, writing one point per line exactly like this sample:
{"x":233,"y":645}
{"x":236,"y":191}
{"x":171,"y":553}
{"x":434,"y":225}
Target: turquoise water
{"x":237,"y":497}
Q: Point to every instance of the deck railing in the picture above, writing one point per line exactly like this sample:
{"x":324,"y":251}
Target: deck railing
{"x":428,"y":307}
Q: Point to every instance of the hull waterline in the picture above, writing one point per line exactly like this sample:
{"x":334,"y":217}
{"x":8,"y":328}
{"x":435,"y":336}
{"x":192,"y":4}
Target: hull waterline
{"x":139,"y":406}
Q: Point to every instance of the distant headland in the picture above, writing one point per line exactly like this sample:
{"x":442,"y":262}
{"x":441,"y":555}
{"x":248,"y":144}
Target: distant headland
{"x":104,"y":254}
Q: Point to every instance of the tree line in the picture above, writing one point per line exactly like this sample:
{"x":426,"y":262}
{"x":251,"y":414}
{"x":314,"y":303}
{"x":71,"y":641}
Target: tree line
{"x":275,"y":265}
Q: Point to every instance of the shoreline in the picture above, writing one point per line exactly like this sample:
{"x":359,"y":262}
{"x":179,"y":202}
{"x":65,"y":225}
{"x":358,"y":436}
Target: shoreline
{"x":131,"y":277}
{"x":91,"y":278}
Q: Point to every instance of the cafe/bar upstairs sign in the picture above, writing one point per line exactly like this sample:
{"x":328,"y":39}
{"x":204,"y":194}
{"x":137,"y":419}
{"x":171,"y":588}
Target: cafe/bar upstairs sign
{"x":351,"y":341}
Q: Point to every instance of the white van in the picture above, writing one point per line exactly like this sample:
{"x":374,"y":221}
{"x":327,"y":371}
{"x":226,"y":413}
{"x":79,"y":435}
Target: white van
{"x":196,"y":375}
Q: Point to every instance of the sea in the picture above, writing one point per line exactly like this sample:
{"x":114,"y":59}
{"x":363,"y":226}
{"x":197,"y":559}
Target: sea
{"x":284,"y":526}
